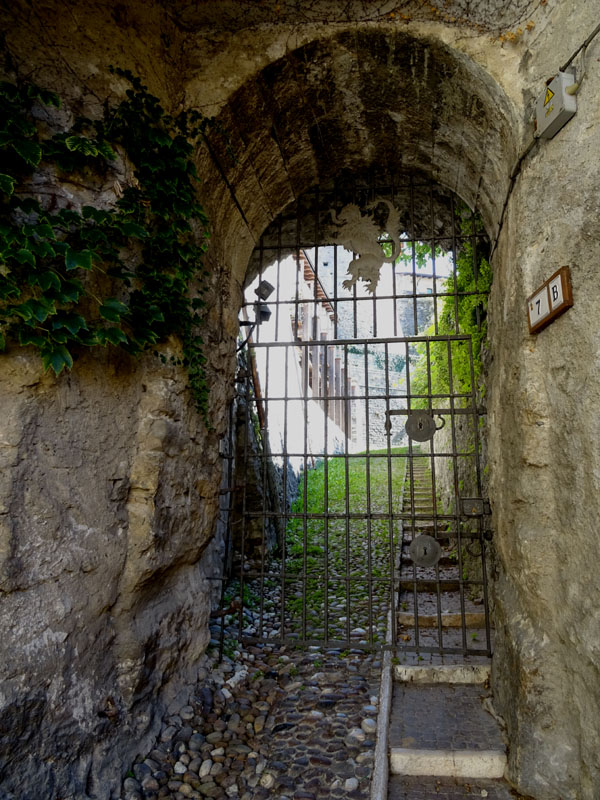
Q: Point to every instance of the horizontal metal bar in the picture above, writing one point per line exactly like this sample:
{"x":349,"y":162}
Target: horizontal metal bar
{"x":458,"y":337}
{"x":371,"y":455}
{"x":449,"y":412}
{"x":426,"y":239}
{"x":343,"y":576}
{"x":328,"y":300}
{"x":414,"y":648}
{"x":329,"y":644}
{"x":365,"y":515}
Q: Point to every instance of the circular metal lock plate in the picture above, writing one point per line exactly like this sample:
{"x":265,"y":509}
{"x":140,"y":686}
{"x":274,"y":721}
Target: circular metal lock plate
{"x":420,"y":426}
{"x":425,"y":551}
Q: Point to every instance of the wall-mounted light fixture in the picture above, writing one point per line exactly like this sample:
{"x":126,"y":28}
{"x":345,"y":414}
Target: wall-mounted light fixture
{"x":262,"y":312}
{"x":264,"y":290}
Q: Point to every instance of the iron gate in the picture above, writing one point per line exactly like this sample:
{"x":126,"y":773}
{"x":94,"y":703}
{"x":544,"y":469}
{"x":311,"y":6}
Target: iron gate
{"x":358,"y":517}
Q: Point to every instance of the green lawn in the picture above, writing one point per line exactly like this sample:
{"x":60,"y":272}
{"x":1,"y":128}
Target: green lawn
{"x":345,"y":564}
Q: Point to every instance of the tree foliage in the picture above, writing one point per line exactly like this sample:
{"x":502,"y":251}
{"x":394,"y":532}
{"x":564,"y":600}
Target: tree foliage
{"x":463,"y":311}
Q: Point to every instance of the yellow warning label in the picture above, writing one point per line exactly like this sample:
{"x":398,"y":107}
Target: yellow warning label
{"x":549,"y":96}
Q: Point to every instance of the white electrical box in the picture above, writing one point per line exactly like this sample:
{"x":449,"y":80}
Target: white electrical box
{"x":555,"y":106}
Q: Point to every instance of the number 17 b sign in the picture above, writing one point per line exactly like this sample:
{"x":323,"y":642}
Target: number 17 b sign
{"x":551,"y":300}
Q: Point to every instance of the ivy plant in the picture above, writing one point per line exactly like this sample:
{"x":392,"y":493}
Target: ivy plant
{"x":128,"y":275}
{"x":463,"y":310}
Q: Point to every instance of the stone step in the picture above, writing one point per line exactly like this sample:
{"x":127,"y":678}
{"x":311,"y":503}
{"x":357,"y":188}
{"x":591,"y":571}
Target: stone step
{"x":445,"y":561}
{"x":431,"y":788}
{"x":430,"y":586}
{"x":472,"y":620}
{"x":444,"y":730}
{"x":448,"y":763}
{"x":478,"y":674}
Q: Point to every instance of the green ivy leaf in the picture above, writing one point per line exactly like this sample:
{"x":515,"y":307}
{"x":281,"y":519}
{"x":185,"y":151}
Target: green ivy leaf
{"x":81,"y":144}
{"x":42,"y":308}
{"x":74,"y":323}
{"x":49,"y":280}
{"x":7,"y":184}
{"x":30,"y":152}
{"x":46,"y":230}
{"x":45,"y":96}
{"x":97,"y":214}
{"x":78,"y":258}
{"x":113,"y":335}
{"x":30,"y":337}
{"x":25,"y":256}
{"x":112,"y":309}
{"x":71,"y":291}
{"x":58,"y":358}
{"x":106,"y":150}
{"x":133,"y":229}
{"x":43,"y":249}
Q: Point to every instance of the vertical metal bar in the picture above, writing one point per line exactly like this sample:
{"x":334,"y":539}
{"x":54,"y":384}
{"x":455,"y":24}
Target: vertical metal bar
{"x":335,"y":291}
{"x":454,"y":264}
{"x":456,"y":497}
{"x":316,"y":266}
{"x":390,"y":510}
{"x":354,"y":308}
{"x":299,"y":267}
{"x":436,"y":329}
{"x":326,"y":497}
{"x":266,"y":457}
{"x":430,"y":390}
{"x":411,"y":456}
{"x":285,"y":496}
{"x":394,"y":287}
{"x":347,"y":503}
{"x":305,"y":507}
{"x":277,"y":285}
{"x":247,"y":423}
{"x":368,"y":498}
{"x":414,"y":255}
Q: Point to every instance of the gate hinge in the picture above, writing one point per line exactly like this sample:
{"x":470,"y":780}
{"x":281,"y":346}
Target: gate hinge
{"x":475,"y":507}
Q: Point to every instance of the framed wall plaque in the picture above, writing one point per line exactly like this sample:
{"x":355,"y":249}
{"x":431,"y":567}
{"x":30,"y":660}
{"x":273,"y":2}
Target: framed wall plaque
{"x":551,"y":300}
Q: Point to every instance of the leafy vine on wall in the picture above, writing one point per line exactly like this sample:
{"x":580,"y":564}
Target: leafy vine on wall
{"x":127,"y":276}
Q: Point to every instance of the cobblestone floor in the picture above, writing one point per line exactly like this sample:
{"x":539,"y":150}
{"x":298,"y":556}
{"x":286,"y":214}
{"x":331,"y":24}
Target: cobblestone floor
{"x":268,"y":723}
{"x":404,"y":788}
{"x":443,"y":717}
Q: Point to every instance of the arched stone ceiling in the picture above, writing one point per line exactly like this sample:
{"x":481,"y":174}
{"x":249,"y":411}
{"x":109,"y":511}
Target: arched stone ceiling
{"x":235,"y":15}
{"x":363,"y":98}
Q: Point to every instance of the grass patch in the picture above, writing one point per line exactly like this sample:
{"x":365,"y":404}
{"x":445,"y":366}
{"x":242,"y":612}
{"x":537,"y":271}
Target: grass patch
{"x":344,"y":564}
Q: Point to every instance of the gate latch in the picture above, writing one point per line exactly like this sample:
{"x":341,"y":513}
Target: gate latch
{"x":475,"y":507}
{"x":420,"y":426}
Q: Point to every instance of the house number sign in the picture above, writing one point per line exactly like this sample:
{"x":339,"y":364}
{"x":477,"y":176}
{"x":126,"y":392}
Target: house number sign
{"x":551,"y":300}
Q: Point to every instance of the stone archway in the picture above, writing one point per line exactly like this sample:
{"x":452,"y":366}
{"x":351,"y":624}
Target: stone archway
{"x":360,"y":98}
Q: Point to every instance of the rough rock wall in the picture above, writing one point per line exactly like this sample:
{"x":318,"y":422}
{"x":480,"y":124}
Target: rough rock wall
{"x":105,"y":514}
{"x":109,"y":485}
{"x":544,"y":457}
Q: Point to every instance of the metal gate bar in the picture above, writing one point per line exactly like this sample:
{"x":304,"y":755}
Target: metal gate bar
{"x":316,"y":557}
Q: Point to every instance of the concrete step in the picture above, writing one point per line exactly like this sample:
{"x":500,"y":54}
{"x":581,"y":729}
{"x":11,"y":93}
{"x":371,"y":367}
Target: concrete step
{"x":478,"y":674}
{"x":443,"y":730}
{"x":431,"y":788}
{"x":449,"y":620}
{"x":430,"y":586}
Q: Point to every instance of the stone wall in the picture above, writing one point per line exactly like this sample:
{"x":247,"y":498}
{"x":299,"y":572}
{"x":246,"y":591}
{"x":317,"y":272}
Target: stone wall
{"x":544,"y":457}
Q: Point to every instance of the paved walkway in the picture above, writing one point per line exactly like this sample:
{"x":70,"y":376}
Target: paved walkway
{"x":269,"y":724}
